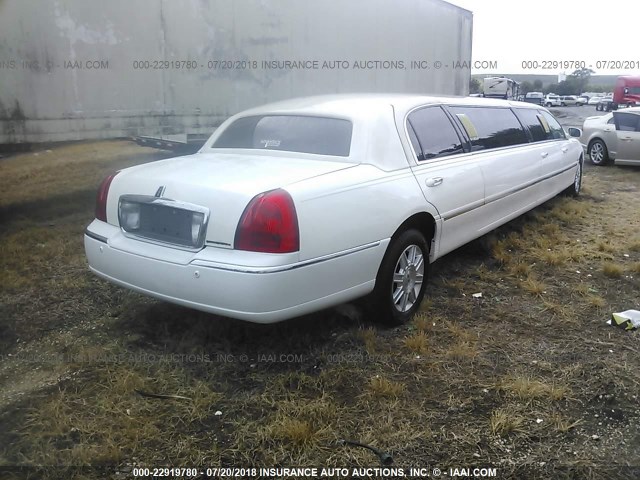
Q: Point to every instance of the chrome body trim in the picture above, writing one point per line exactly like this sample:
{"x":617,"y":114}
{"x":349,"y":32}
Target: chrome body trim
{"x":283,"y":268}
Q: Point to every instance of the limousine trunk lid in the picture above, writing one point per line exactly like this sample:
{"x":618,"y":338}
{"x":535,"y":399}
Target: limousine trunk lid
{"x":221,"y":183}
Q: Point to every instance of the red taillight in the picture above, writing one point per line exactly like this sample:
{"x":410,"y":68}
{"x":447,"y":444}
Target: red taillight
{"x":269,"y":224}
{"x":101,"y":198}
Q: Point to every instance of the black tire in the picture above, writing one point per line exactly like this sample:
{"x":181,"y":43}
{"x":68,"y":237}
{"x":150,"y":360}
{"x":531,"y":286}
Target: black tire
{"x":598,"y":152}
{"x":394,"y":299}
{"x":573,"y":190}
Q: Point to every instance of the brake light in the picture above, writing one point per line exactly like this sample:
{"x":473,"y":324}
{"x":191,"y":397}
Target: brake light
{"x":101,"y":197}
{"x":269,"y":224}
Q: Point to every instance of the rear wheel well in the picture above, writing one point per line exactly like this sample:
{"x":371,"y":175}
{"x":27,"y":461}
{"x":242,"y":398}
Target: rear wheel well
{"x":423,"y":222}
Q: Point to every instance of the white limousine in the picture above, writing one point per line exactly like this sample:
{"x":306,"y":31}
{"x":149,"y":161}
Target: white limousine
{"x":304,"y":204}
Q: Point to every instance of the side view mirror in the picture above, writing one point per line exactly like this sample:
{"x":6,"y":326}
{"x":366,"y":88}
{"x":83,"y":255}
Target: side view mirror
{"x":626,"y":90}
{"x":574,"y":132}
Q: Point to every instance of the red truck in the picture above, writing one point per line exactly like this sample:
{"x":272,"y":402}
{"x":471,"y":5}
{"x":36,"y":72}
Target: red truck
{"x":626,"y":93}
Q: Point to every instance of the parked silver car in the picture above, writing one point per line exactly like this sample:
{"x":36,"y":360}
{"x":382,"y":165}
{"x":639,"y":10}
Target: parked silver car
{"x":571,"y":100}
{"x":614,"y":136}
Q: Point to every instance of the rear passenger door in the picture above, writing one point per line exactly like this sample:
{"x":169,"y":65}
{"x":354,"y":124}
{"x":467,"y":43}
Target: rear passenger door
{"x":449,"y":177}
{"x":511,"y":168}
{"x":556,"y":165}
{"x":628,"y":133}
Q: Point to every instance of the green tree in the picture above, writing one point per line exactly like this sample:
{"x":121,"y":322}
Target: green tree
{"x":537,"y":85}
{"x":526,"y":87}
{"x":551,"y":88}
{"x":568,"y":87}
{"x":582,"y":76}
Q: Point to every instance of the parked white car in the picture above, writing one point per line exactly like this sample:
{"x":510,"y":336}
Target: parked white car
{"x":552,"y":100}
{"x":305,"y":204}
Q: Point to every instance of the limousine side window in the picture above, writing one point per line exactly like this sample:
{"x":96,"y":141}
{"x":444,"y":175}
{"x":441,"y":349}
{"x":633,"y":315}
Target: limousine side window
{"x":536,"y":124}
{"x":435,"y":135}
{"x":557,"y":131}
{"x":489,"y":127}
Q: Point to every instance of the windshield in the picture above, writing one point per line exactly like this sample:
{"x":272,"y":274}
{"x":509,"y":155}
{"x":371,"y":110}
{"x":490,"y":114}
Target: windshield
{"x":292,"y":133}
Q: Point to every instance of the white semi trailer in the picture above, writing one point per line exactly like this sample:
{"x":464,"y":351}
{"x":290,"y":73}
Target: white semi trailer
{"x":83,"y":69}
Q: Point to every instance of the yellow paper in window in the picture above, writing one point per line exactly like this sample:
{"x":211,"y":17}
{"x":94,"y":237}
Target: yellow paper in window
{"x":544,"y":123}
{"x":468,"y":126}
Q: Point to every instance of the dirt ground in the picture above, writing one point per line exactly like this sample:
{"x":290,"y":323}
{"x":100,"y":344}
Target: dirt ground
{"x":526,"y":378}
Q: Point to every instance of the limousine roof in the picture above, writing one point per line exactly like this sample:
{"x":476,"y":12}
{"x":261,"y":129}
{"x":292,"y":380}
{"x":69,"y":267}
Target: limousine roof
{"x":375,"y":139}
{"x":355,"y":105}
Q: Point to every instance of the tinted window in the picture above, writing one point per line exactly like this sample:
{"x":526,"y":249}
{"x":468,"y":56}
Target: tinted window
{"x":554,"y":127}
{"x":533,"y":121}
{"x":490,"y":127}
{"x":627,"y":122}
{"x":293,"y":133}
{"x":434,"y":134}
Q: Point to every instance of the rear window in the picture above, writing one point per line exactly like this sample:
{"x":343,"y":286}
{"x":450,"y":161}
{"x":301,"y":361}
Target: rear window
{"x":292,"y":133}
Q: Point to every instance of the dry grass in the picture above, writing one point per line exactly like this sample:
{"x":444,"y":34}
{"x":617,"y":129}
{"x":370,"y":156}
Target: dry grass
{"x":596,"y":301}
{"x":503,"y":422}
{"x":562,"y":425}
{"x":528,"y":389}
{"x":369,"y":339}
{"x":298,"y":432}
{"x":520,"y":269}
{"x":462,"y":352}
{"x":501,"y":253}
{"x":555,"y":309}
{"x":424,"y":322}
{"x":515,"y":377}
{"x":418,"y":342}
{"x":534,"y":286}
{"x":612,"y":270}
{"x":554,"y":258}
{"x":605,"y":246}
{"x":66,"y":169}
{"x":381,"y":387}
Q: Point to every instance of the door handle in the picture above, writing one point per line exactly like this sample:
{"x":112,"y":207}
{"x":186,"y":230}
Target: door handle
{"x":434,"y":181}
{"x":544,"y":154}
{"x":564,"y":149}
{"x":627,"y":139}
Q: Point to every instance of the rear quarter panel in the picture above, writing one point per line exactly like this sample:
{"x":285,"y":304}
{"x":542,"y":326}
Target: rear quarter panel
{"x":353,"y":207}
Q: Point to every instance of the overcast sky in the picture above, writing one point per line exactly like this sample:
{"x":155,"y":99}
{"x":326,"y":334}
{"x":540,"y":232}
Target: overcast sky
{"x":511,"y":32}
